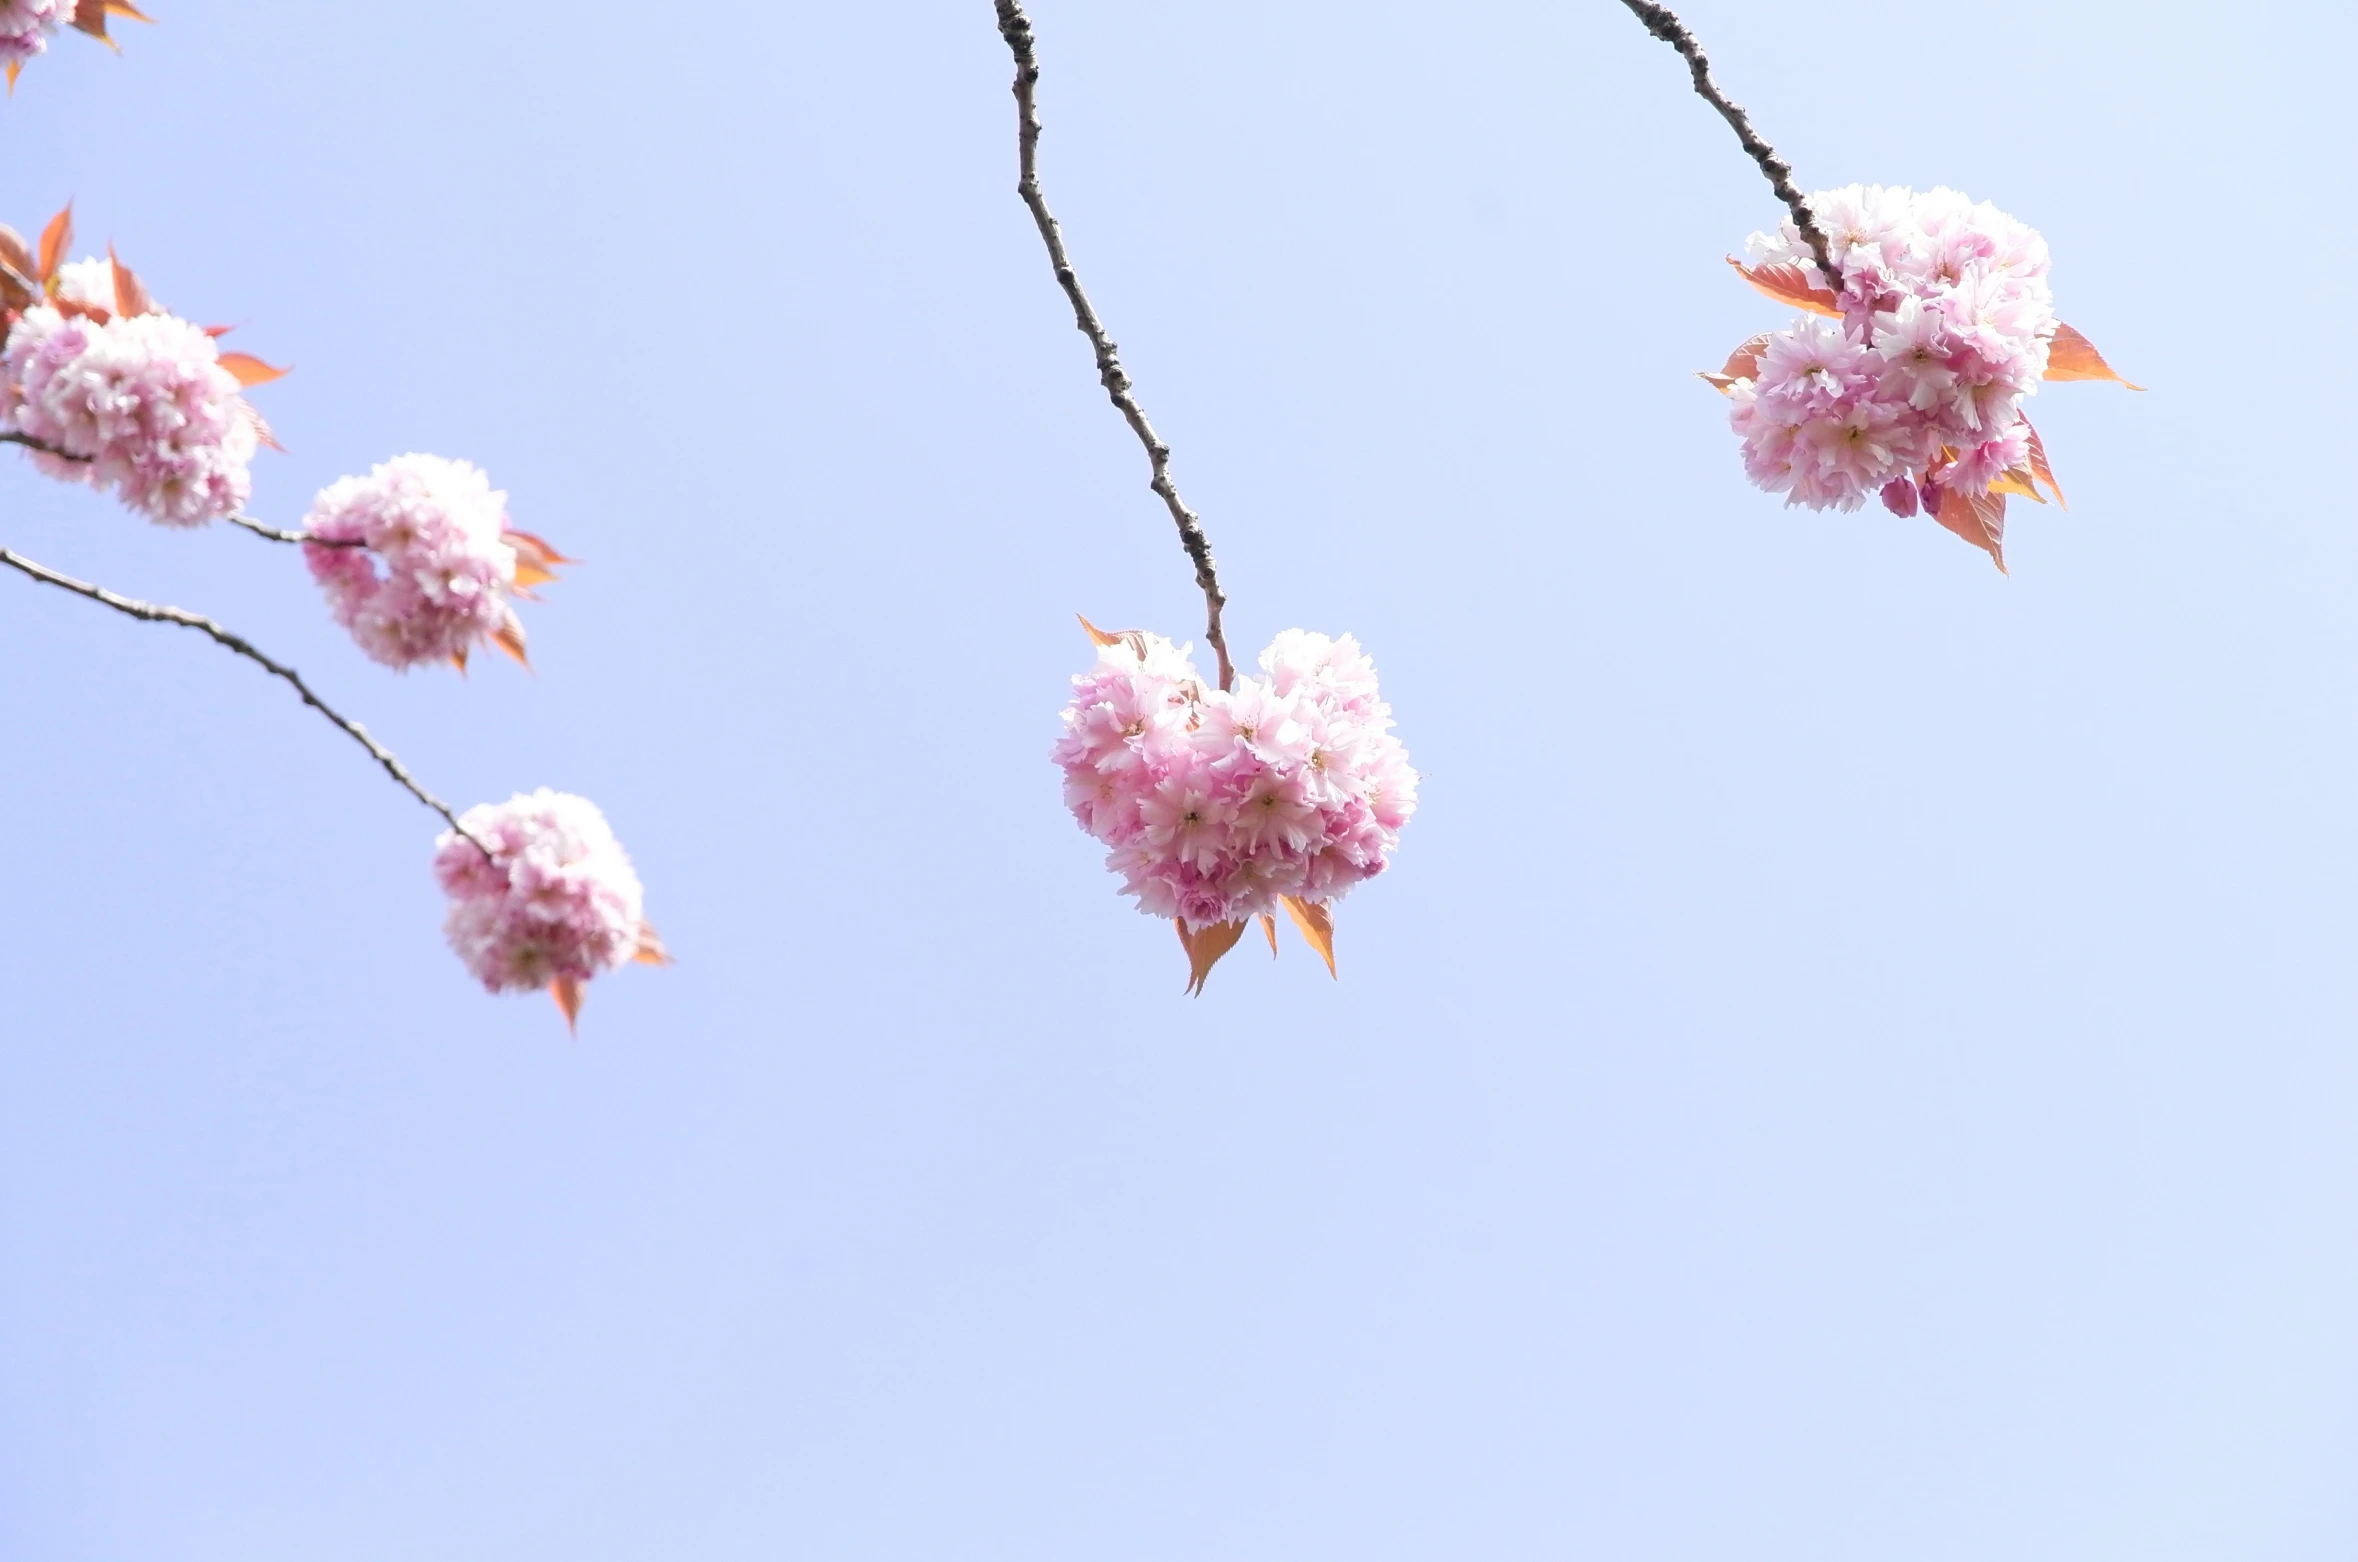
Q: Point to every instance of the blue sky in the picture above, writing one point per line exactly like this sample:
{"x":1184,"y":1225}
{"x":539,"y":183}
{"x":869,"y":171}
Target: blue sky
{"x":1855,"y":1058}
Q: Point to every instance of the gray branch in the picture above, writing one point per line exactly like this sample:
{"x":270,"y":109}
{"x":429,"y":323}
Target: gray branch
{"x":1664,"y":24}
{"x":1016,"y":28}
{"x":153,"y":613}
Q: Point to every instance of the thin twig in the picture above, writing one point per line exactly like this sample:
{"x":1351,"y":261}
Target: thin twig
{"x":30,"y":443}
{"x":282,"y":534}
{"x":1664,"y":24}
{"x":1016,"y":28}
{"x":258,"y":528}
{"x":153,"y":613}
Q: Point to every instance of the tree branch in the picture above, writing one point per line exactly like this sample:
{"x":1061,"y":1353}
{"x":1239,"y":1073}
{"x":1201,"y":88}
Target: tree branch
{"x":1664,"y":24}
{"x":1016,"y":28}
{"x":153,"y":613}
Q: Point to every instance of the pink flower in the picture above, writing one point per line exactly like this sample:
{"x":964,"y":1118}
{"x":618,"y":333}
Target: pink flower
{"x":1945,"y":324}
{"x":1219,"y":806}
{"x":436,"y":564}
{"x":554,"y":904}
{"x":138,"y":403}
{"x":25,"y":26}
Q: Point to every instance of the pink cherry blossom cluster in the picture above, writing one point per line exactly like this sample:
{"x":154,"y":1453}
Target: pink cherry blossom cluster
{"x":25,"y":26}
{"x":139,"y":403}
{"x":436,"y":563}
{"x":554,"y":904}
{"x":1913,"y":388}
{"x":1218,"y":804}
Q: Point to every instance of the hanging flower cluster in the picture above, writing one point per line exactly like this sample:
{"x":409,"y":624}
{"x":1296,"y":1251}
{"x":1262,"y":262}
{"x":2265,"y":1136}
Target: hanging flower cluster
{"x":553,"y":904}
{"x":108,"y":389}
{"x":418,"y":561}
{"x":1223,"y":805}
{"x":26,"y":26}
{"x":1905,"y":380}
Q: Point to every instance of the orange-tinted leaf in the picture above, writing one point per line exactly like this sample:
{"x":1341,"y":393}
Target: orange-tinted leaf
{"x":90,"y":17}
{"x":1269,"y":926}
{"x":1742,"y":364}
{"x":1788,"y":284}
{"x":75,"y":309}
{"x":219,"y":331}
{"x":18,"y":290}
{"x":14,"y":68}
{"x":567,"y":991}
{"x":125,"y":8}
{"x":536,"y":561}
{"x":509,"y":637}
{"x":56,"y":239}
{"x":249,"y":370}
{"x":1980,"y":519}
{"x":1318,"y":927}
{"x":2072,"y":356}
{"x":1099,"y":637}
{"x":2038,"y":463}
{"x":2018,"y":480}
{"x":130,"y":293}
{"x":458,"y":659}
{"x":650,"y":950}
{"x":1204,"y":948}
{"x":261,"y":427}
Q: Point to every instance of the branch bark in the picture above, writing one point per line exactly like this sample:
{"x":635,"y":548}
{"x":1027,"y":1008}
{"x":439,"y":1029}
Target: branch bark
{"x":1664,"y":24}
{"x":1016,"y":28}
{"x":155,"y":613}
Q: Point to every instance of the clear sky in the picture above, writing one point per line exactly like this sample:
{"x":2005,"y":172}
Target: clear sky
{"x":1856,"y":1058}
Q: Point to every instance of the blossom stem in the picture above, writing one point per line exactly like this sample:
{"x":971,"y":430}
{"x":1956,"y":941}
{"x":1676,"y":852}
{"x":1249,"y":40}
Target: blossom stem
{"x":1016,"y":28}
{"x":47,"y":449}
{"x":1664,"y":24}
{"x":155,"y":613}
{"x":283,"y":534}
{"x":258,"y":528}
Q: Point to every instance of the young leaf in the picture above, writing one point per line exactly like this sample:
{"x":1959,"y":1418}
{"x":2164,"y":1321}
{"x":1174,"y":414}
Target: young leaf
{"x":1204,"y":948}
{"x":536,"y":561}
{"x":249,"y":370}
{"x":2018,"y":480}
{"x":2038,"y":463}
{"x":509,"y":637}
{"x":1788,"y":284}
{"x":567,"y":991}
{"x":1980,"y":519}
{"x":1742,"y":364}
{"x":2072,"y":356}
{"x":458,"y":659}
{"x":90,"y":17}
{"x":650,"y":950}
{"x":130,"y":293}
{"x":1269,"y":926}
{"x":1318,"y":927}
{"x":262,"y":433}
{"x":56,"y":239}
{"x":1097,"y":636}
